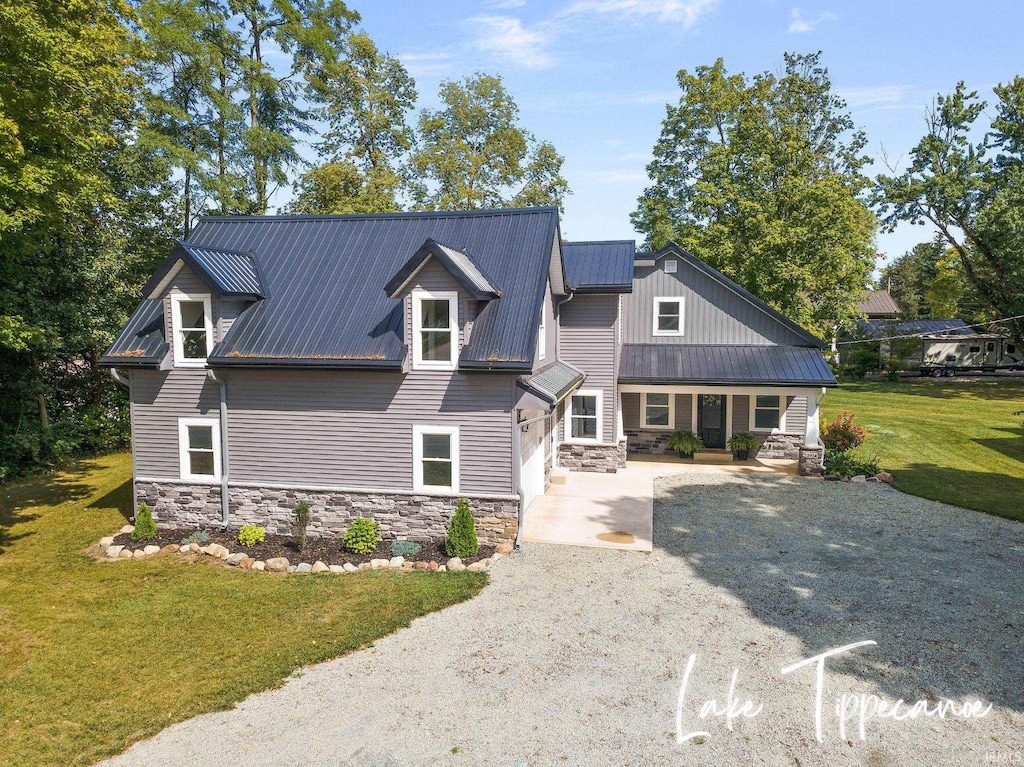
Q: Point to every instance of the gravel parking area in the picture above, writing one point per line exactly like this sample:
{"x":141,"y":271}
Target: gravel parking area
{"x":576,"y":655}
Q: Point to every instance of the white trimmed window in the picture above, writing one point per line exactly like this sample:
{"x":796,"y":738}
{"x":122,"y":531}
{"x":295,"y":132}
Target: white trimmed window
{"x":658,"y":410}
{"x":766,"y":412}
{"x":668,"y":316}
{"x":199,"y":448}
{"x":542,"y":337}
{"x":435,"y":330}
{"x":435,"y":455}
{"x":192,"y":329}
{"x":583,"y":420}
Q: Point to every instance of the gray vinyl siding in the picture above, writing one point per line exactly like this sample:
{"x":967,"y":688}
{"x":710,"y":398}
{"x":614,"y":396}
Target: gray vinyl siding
{"x":550,"y":332}
{"x":631,"y":411}
{"x":228,"y":313}
{"x":740,"y":413}
{"x":712,"y":314}
{"x":796,"y":415}
{"x":354,"y":429}
{"x":587,"y":340}
{"x":159,"y":399}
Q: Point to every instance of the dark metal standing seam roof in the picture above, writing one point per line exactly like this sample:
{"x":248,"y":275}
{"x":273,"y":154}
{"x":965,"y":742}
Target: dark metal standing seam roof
{"x":141,"y":342}
{"x":878,"y":302}
{"x":324,"y":277}
{"x":231,"y":274}
{"x":599,"y":267}
{"x":763,"y":365}
{"x":554,"y":382}
{"x":459,"y":263}
{"x":881,"y":328}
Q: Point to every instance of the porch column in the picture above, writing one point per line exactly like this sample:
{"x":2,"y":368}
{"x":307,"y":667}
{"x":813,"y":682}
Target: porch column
{"x":811,"y":434}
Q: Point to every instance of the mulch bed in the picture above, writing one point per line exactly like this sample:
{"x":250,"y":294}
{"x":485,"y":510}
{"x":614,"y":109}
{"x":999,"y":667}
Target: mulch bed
{"x":327,"y":550}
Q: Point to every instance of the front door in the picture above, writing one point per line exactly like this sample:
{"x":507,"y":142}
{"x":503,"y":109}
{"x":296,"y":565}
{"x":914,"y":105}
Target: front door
{"x":711,"y":420}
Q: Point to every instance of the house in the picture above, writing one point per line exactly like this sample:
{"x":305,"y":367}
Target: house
{"x":878,"y":306}
{"x":391,"y":364}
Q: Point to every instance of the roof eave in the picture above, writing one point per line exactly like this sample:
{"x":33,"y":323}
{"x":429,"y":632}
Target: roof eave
{"x":726,"y":382}
{"x":509,"y":366}
{"x":308,"y":362}
{"x":598,"y":289}
{"x":130,"y":362}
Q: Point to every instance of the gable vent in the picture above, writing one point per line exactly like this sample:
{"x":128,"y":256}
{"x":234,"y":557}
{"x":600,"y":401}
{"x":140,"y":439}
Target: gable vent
{"x":671,"y":265}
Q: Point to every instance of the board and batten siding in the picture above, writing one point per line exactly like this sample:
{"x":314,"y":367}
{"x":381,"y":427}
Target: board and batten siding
{"x":712,"y":314}
{"x":587,"y":340}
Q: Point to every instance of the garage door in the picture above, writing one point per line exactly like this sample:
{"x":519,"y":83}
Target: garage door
{"x":533,"y":463}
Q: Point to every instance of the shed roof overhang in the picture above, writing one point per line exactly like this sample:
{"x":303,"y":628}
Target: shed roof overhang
{"x":229,"y":274}
{"x":724,"y":365}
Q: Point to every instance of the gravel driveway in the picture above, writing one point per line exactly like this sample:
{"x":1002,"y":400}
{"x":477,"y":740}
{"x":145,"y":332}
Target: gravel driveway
{"x":575,"y":656}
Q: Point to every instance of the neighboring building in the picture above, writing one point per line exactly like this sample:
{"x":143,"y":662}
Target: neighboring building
{"x":390,"y":364}
{"x":879,"y":305}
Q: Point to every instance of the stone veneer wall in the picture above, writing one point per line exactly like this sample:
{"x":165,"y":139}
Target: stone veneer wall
{"x":407,"y":517}
{"x":600,"y":458}
{"x":648,"y":441}
{"x":779,"y":445}
{"x":812,"y":461}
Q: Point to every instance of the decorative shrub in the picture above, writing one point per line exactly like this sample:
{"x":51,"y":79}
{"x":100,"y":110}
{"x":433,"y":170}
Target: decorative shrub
{"x":741,"y":441}
{"x":685,"y":442}
{"x":462,"y":540}
{"x":843,"y":434}
{"x":301,"y":513}
{"x":199,"y":536}
{"x":842,"y":463}
{"x":362,"y":536}
{"x":405,"y":548}
{"x":250,"y":535}
{"x":145,"y":527}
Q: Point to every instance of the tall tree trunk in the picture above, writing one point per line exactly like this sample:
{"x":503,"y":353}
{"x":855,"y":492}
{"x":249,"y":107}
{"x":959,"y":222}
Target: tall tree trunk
{"x":187,"y":200}
{"x":222,"y":129}
{"x":259,"y":161}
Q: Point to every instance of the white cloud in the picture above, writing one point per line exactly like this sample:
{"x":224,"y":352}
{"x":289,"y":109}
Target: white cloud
{"x":685,"y":12}
{"x":874,"y":96}
{"x":798,"y":24}
{"x":508,"y":40}
{"x":438,"y":64}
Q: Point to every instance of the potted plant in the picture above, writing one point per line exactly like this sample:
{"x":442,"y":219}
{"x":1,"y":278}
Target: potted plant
{"x":685,"y":443}
{"x":741,"y":444}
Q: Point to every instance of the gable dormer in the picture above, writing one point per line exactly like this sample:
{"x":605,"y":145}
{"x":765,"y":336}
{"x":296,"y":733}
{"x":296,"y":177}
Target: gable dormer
{"x":202,"y":291}
{"x":443,"y":290}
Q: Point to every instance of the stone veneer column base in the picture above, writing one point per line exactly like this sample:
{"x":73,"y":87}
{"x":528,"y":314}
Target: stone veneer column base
{"x":599,"y":458}
{"x":779,"y":445}
{"x":409,"y":517}
{"x":812,"y":461}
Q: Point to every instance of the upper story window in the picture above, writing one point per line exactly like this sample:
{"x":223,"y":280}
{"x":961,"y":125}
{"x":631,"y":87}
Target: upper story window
{"x":192,"y":329}
{"x":583,"y":421}
{"x":199,"y":448}
{"x":668,"y":316}
{"x":435,"y":330}
{"x":435,"y":458}
{"x":542,"y":337}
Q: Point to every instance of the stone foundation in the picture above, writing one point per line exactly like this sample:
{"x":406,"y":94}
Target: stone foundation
{"x":812,"y":461}
{"x":600,"y":458}
{"x":779,"y":446}
{"x":401,"y":516}
{"x":649,"y":442}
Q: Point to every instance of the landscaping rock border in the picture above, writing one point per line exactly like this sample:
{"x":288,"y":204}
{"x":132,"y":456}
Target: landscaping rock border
{"x":108,"y":551}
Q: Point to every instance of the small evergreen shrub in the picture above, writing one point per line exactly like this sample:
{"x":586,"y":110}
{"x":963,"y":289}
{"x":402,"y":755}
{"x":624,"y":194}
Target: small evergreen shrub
{"x":405,"y":548}
{"x":199,"y":536}
{"x":362,"y":536}
{"x":462,"y":540}
{"x":301,"y":513}
{"x":145,"y":527}
{"x":250,"y":535}
{"x":843,"y":434}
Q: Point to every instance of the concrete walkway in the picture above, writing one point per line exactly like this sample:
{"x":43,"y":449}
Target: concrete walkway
{"x":615,"y":511}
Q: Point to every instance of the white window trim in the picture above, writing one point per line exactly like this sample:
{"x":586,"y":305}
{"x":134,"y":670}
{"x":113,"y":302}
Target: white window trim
{"x":671,"y":412}
{"x":781,"y":428}
{"x":179,"y":353}
{"x":671,"y":265}
{"x":542,"y":337}
{"x":658,"y":300}
{"x":417,"y":458}
{"x":184,"y":463}
{"x":599,"y":407}
{"x":452,"y":297}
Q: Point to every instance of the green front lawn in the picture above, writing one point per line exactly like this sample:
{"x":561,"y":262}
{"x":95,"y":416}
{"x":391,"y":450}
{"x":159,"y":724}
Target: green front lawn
{"x":956,"y":441}
{"x":96,"y":655}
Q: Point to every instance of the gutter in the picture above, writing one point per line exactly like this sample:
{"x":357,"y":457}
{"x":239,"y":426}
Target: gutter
{"x":224,"y":505}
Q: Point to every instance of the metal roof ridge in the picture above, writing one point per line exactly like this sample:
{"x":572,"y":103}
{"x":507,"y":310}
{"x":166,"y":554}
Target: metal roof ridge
{"x":297,"y":217}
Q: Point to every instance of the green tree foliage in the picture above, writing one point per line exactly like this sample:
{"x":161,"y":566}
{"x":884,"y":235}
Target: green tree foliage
{"x":472,"y":152}
{"x":972,"y":193}
{"x":928,"y":281}
{"x":762,"y":178}
{"x":461,"y":541}
{"x":341,"y":187}
{"x":145,"y":527}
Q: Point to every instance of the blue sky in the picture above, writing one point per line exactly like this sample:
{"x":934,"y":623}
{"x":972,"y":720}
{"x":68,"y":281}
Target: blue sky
{"x":593,"y":76}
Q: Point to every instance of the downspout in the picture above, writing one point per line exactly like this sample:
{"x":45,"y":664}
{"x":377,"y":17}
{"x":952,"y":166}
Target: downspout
{"x":223,"y":447}
{"x":116,"y":375}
